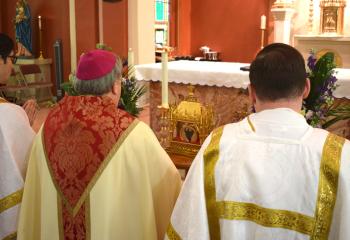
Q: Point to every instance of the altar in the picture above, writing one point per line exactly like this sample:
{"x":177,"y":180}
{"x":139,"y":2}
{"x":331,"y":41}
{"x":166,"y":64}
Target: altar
{"x":219,"y":84}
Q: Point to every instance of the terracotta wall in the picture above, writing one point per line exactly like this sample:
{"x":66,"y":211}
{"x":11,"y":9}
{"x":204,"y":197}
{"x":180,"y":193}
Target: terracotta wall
{"x":55,"y":24}
{"x":115,"y":17}
{"x":230,"y":27}
{"x":86,"y":25}
{"x":115,"y":21}
{"x":55,"y":15}
{"x":184,"y":33}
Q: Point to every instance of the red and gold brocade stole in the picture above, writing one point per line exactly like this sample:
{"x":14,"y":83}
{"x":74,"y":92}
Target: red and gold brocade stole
{"x":79,"y":136}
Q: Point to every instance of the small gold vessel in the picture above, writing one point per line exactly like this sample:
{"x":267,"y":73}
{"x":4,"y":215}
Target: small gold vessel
{"x":189,"y":124}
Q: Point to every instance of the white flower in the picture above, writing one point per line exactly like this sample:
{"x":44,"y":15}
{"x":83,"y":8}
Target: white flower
{"x":309,"y":114}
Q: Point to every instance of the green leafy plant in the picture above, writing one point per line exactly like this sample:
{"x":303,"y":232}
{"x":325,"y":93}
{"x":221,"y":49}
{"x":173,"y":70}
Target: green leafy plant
{"x":131,"y":92}
{"x":320,"y":108}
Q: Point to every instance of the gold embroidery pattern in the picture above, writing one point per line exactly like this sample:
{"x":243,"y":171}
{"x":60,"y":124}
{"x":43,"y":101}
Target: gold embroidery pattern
{"x":60,"y":217}
{"x":251,"y":124}
{"x":88,"y":218}
{"x":12,"y":236}
{"x":317,"y":227}
{"x":328,"y":186}
{"x":103,"y":165}
{"x":11,"y":200}
{"x":172,"y":234}
{"x":3,"y":100}
{"x":211,"y":156}
{"x":266,"y":217}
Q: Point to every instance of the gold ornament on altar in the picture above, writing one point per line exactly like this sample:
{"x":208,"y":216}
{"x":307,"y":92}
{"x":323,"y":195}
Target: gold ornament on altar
{"x":189,"y":124}
{"x":332,"y":16}
{"x":283,"y":4}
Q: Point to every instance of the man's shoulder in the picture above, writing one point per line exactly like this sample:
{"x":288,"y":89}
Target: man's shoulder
{"x":141,"y":128}
{"x":10,"y":111}
{"x":234,"y":129}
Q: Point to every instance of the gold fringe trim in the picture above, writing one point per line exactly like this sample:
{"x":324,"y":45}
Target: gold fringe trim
{"x":211,"y":156}
{"x":11,"y":200}
{"x":171,"y":233}
{"x":327,"y":186}
{"x":12,"y":236}
{"x":251,"y":124}
{"x":60,"y":218}
{"x":88,"y":218}
{"x":266,"y":217}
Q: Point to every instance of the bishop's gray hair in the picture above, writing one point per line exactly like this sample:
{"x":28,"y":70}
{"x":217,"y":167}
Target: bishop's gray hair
{"x":98,"y":86}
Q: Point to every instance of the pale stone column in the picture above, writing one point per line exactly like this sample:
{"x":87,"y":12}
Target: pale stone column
{"x":141,"y":30}
{"x":283,"y":22}
{"x":100,"y":22}
{"x":73,"y":35}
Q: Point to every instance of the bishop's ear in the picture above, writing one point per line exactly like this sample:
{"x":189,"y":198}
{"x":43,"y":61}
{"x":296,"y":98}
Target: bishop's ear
{"x":117,"y":87}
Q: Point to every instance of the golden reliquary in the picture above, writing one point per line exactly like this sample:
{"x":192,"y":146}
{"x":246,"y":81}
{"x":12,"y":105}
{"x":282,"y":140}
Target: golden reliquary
{"x":190,"y":123}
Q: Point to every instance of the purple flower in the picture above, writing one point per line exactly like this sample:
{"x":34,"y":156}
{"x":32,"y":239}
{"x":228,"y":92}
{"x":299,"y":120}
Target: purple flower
{"x":311,"y":62}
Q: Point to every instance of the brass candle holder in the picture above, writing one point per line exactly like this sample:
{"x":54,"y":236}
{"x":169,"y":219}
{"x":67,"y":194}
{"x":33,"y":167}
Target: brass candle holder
{"x":262,"y":37}
{"x":41,"y":56}
{"x":164,"y":126}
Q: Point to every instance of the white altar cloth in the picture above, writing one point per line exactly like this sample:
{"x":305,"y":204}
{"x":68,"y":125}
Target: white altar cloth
{"x":197,"y":73}
{"x":219,"y":74}
{"x":343,"y":90}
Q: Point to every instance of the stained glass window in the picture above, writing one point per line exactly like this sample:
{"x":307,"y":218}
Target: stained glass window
{"x":162,"y":21}
{"x":162,"y":10}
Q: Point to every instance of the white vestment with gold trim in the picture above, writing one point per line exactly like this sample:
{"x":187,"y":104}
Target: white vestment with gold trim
{"x":269,"y":161}
{"x":132,"y":198}
{"x":16,"y":137}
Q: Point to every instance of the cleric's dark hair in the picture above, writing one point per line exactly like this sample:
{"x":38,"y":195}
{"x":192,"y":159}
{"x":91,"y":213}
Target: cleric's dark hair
{"x":6,"y":46}
{"x":278,"y":72}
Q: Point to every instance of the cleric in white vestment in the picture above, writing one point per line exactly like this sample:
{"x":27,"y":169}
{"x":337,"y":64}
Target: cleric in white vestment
{"x":270,"y":176}
{"x":16,"y":136}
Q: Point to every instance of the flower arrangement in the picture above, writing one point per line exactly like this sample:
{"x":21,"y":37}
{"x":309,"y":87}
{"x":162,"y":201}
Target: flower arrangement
{"x":131,"y":92}
{"x":319,"y":107}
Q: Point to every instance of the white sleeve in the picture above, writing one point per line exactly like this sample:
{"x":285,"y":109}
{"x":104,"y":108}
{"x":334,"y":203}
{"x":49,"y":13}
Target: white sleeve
{"x":17,"y":132}
{"x":341,"y":216}
{"x":189,"y":218}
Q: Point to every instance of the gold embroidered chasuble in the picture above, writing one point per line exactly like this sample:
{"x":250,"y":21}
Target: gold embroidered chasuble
{"x":220,"y":213}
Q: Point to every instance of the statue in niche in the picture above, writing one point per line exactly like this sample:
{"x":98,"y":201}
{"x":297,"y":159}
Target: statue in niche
{"x":330,"y":21}
{"x":23,"y":29}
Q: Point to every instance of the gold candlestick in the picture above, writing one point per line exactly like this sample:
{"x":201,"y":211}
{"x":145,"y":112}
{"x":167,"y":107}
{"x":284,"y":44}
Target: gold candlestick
{"x":41,"y":56}
{"x":164,"y":124}
{"x":262,"y":38}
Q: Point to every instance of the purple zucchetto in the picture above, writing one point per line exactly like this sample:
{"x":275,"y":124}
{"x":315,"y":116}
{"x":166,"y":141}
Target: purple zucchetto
{"x":95,"y":64}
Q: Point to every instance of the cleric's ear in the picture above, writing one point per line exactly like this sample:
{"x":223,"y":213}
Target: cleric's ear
{"x":307,"y":89}
{"x":252,"y":94}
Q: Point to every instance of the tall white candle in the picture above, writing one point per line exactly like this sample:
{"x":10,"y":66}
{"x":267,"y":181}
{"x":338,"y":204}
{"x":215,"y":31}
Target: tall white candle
{"x":39,"y":20}
{"x":131,"y":70}
{"x":100,"y":20}
{"x":73,"y":36}
{"x":165,"y":99}
{"x":263,"y":22}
